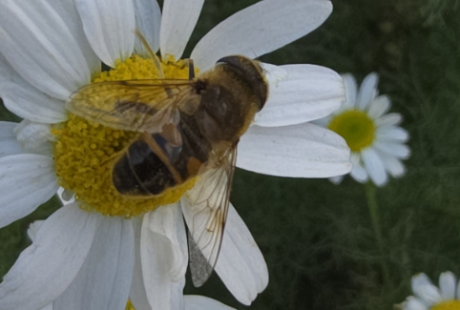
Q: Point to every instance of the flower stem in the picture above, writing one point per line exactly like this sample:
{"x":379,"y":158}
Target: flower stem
{"x":374,"y":214}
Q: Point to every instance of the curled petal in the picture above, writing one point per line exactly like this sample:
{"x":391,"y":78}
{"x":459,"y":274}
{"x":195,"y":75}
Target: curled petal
{"x":164,"y":257}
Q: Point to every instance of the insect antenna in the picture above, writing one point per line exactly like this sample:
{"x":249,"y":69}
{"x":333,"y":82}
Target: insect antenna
{"x":254,"y":54}
{"x":149,"y":49}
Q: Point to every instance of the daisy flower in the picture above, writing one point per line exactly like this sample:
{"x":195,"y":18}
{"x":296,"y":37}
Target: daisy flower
{"x":376,"y":141}
{"x":102,"y":248}
{"x":430,"y":297}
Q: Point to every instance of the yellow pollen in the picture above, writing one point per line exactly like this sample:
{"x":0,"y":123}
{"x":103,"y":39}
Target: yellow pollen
{"x":447,"y":305}
{"x":356,"y":127}
{"x":85,"y":152}
{"x":129,"y":305}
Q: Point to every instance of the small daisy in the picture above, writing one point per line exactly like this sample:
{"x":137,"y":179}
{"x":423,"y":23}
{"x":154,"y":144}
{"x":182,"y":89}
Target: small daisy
{"x":429,"y":297}
{"x":376,"y":141}
{"x":101,"y":248}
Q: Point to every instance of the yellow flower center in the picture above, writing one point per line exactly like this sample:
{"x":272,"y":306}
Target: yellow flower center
{"x":447,"y":305}
{"x":356,"y":127}
{"x":83,"y":149}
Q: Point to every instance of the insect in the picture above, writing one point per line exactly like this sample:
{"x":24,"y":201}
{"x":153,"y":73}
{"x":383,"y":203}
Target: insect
{"x":186,"y":128}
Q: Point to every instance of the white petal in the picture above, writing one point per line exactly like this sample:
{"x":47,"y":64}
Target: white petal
{"x":336,"y":180}
{"x":418,"y":280}
{"x":196,"y":302}
{"x":49,"y":307}
{"x":259,"y":29}
{"x":323,"y":122}
{"x":26,"y":181}
{"x":393,"y":148}
{"x":351,"y":91}
{"x":359,"y":173}
{"x":69,"y":14}
{"x":304,"y":150}
{"x":307,"y":93}
{"x":109,"y":26}
{"x":273,"y":74}
{"x":447,"y":285}
{"x":414,"y":304}
{"x":148,"y":21}
{"x":425,"y":290}
{"x":392,"y":133}
{"x":374,"y":167}
{"x":430,"y":294}
{"x":33,"y":229}
{"x":26,"y":101}
{"x":392,"y":165}
{"x":47,"y":267}
{"x":177,"y":297}
{"x":458,"y":290}
{"x":8,"y":143}
{"x":241,"y":265}
{"x":379,"y":106}
{"x":389,"y":119}
{"x":65,"y":195}
{"x":35,"y":137}
{"x":368,"y":91}
{"x":138,"y":295}
{"x":104,"y":280}
{"x":177,"y":23}
{"x":164,"y":256}
{"x":42,"y":50}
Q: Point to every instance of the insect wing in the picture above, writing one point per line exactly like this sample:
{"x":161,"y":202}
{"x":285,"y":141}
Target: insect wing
{"x":205,"y":212}
{"x":134,"y":105}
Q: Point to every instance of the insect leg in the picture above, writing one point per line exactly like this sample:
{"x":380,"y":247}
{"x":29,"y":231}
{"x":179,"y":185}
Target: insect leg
{"x":191,"y":69}
{"x":156,"y":149}
{"x":154,"y":57}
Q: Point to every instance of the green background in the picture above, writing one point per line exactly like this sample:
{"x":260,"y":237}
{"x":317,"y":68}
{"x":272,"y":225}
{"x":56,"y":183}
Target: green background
{"x":317,"y":238}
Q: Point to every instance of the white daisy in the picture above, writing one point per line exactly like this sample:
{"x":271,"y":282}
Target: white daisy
{"x":103,"y":242}
{"x":429,"y":297}
{"x":376,"y":141}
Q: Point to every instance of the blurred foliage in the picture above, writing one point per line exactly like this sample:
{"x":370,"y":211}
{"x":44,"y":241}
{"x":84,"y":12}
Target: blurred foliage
{"x":317,"y":237}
